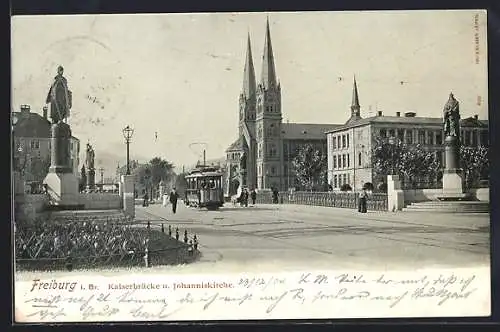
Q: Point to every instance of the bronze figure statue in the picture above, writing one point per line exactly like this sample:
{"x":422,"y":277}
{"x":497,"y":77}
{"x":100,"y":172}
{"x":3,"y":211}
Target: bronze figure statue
{"x":89,"y":160}
{"x":451,"y":118}
{"x":59,"y":97}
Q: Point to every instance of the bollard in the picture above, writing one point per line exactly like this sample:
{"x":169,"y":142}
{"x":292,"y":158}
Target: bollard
{"x":177,"y":233}
{"x":162,"y":229}
{"x":170,"y":230}
{"x":185,"y":236}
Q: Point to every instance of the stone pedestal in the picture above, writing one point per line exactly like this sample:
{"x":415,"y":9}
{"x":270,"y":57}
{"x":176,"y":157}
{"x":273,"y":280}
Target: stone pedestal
{"x":91,"y":179}
{"x":395,"y":195}
{"x":127,"y":182}
{"x":62,"y":184}
{"x":453,"y":187}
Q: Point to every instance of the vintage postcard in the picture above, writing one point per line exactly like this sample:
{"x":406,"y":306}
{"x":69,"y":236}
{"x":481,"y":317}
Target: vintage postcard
{"x":232,"y":166}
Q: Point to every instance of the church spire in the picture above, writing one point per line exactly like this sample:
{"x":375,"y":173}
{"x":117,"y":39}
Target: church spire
{"x":355,"y":98}
{"x":355,"y":108}
{"x":268,"y":75}
{"x":249,"y":84}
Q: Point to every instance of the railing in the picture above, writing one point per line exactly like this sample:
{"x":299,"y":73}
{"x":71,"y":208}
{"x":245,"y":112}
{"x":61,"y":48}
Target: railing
{"x":407,"y":185}
{"x":348,"y":200}
{"x":93,"y":241}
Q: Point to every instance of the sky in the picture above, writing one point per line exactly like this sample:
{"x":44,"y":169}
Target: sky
{"x":176,"y":78}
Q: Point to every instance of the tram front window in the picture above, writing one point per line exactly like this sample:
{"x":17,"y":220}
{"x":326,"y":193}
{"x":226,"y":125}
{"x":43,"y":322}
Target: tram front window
{"x":212,"y":184}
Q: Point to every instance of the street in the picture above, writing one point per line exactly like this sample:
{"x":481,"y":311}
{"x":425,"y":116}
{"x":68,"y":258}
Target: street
{"x":294,"y":236}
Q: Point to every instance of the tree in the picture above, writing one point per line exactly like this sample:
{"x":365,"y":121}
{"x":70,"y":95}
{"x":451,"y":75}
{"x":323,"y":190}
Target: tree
{"x":475,"y":164}
{"x":410,"y":162}
{"x":39,"y":168}
{"x":310,"y":165}
{"x":160,"y":169}
{"x":180,"y":182}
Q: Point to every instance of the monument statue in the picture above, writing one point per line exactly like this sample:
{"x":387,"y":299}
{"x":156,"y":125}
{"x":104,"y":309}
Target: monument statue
{"x":59,"y":97}
{"x":451,"y":118}
{"x":90,"y":156}
{"x":62,"y":185}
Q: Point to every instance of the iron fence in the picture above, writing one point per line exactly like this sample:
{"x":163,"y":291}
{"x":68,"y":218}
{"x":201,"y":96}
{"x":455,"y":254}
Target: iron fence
{"x":349,"y":200}
{"x":97,"y":241}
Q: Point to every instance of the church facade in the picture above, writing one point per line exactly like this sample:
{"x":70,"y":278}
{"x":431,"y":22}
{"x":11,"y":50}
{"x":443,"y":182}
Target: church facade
{"x":261,"y":157}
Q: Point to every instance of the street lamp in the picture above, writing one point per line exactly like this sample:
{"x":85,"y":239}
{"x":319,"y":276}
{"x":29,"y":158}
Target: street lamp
{"x":102,"y":174}
{"x":127,"y":134}
{"x":392,"y":142}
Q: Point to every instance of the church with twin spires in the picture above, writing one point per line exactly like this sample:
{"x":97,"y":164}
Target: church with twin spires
{"x":261,"y":157}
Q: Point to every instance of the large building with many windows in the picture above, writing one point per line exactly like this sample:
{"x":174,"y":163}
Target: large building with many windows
{"x":350,"y":145}
{"x":32,"y":144}
{"x":262,"y":155}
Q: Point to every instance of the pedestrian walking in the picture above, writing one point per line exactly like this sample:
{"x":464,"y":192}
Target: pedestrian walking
{"x":190,"y":248}
{"x":362,"y":201}
{"x":177,"y":233}
{"x":169,"y":230}
{"x":245,"y":197}
{"x":195,"y":242}
{"x":275,"y":195}
{"x":253,"y":196}
{"x":173,"y":199}
{"x":185,"y":236}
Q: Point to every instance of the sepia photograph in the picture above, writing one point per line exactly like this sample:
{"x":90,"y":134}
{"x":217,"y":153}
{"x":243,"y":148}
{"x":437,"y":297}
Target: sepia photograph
{"x":264,"y":165}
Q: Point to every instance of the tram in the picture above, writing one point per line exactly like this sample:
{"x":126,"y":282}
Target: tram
{"x":204,"y":188}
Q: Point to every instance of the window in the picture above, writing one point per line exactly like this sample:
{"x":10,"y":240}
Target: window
{"x":267,"y":109}
{"x":338,"y":142}
{"x":335,"y":181}
{"x":343,"y":141}
{"x":334,"y":142}
{"x":259,"y":153}
{"x":285,"y":170}
{"x":347,"y":140}
{"x":467,"y":141}
{"x":409,"y":137}
{"x":35,"y":144}
{"x":260,"y":170}
{"x":348,"y":161}
{"x":430,"y":137}
{"x":285,"y":151}
{"x":339,"y":161}
{"x":439,"y":138}
{"x":344,"y":179}
{"x":421,"y":136}
{"x":392,"y":133}
{"x":273,"y":170}
{"x":359,"y":159}
{"x":401,"y":135}
{"x":474,"y":138}
{"x":343,"y":161}
{"x":349,"y":178}
{"x":383,"y":133}
{"x":334,"y":162}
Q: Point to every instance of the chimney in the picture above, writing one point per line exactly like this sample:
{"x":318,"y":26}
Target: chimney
{"x":45,"y":110}
{"x":398,"y":114}
{"x":379,"y":113}
{"x":25,"y":109}
{"x":410,"y":114}
{"x":476,"y":116}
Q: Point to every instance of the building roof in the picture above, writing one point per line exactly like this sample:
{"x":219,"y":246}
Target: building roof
{"x":235,"y":146}
{"x":31,"y":125}
{"x":466,"y":122}
{"x":305,"y":131}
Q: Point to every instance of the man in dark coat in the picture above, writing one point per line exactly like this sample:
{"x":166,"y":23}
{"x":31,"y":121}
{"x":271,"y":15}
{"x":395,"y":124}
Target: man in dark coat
{"x":173,"y":199}
{"x":362,"y":201}
{"x":253,"y":195}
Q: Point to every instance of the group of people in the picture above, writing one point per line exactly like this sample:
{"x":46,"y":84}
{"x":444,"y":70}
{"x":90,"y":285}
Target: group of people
{"x":244,"y":195}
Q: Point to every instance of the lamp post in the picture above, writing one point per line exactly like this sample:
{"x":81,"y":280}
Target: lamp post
{"x":127,"y":134}
{"x":392,"y":142}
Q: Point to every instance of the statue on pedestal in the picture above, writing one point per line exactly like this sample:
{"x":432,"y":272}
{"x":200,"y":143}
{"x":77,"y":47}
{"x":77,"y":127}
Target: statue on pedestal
{"x":451,"y":118}
{"x":59,"y":97}
{"x":90,"y":157}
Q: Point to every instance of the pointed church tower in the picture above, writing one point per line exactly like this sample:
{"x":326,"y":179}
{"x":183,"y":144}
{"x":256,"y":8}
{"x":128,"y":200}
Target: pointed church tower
{"x":355,"y":108}
{"x":248,"y":94}
{"x":247,"y":104}
{"x":268,"y":122}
